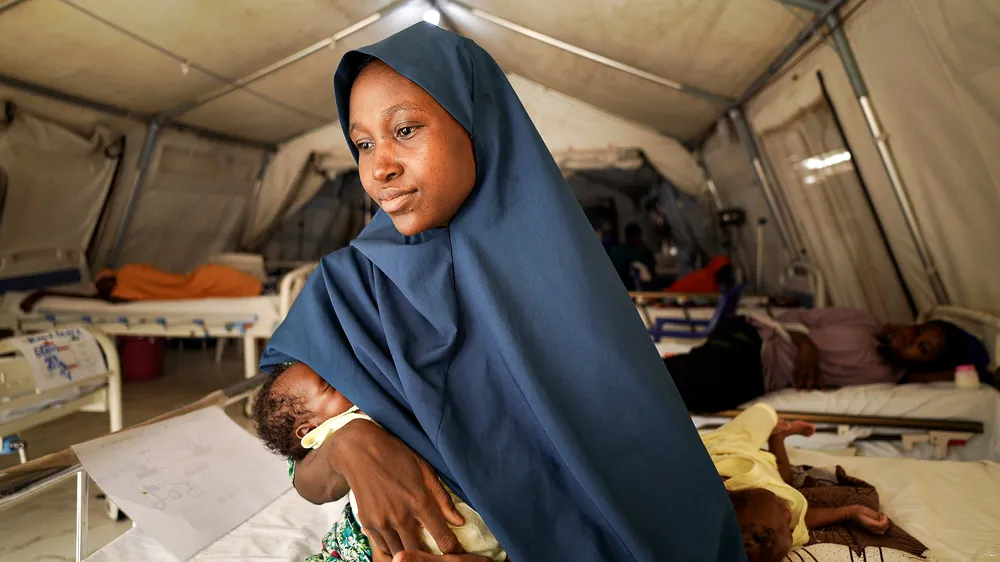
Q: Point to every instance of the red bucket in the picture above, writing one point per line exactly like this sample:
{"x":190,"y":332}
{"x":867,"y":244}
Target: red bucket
{"x":141,"y":358}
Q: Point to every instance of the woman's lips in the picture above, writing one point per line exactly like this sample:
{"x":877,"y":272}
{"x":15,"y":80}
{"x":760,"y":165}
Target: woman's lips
{"x":397,"y":201}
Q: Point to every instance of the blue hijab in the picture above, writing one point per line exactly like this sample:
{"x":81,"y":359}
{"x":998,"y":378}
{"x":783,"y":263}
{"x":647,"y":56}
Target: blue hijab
{"x":504,"y":350}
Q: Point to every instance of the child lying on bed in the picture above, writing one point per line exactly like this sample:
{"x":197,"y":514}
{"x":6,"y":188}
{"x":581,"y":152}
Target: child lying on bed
{"x":296,"y":410}
{"x":775,"y":516}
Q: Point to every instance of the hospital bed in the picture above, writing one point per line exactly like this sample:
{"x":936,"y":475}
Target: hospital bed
{"x":896,"y":406}
{"x":246,"y":319}
{"x":23,"y":405}
{"x":950,"y":506}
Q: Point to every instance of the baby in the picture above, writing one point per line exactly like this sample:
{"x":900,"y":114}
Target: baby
{"x":776,"y":517}
{"x":295,"y":411}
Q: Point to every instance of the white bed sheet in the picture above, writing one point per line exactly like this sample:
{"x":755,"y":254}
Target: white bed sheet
{"x":288,"y":529}
{"x":934,"y":401}
{"x":951,"y":507}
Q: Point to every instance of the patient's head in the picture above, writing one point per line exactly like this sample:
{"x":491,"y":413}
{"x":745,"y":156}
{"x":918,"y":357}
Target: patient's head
{"x":293,"y":402}
{"x":929,"y":347}
{"x":765,"y":522}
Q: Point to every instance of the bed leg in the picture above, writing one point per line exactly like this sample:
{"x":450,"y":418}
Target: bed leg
{"x":220,"y":349}
{"x":82,"y":506}
{"x":249,"y":365}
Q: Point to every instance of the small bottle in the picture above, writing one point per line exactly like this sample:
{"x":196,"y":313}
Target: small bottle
{"x":966,"y":376}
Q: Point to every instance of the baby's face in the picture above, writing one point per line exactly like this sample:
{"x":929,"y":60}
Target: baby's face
{"x":319,"y":399}
{"x":770,"y":517}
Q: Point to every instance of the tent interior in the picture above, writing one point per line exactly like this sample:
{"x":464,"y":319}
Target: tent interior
{"x":845,"y":147}
{"x":179,"y":130}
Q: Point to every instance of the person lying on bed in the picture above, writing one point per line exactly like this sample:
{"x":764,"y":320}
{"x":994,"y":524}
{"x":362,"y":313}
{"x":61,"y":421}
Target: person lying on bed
{"x":295,"y":411}
{"x":811,"y":349}
{"x":558,"y":424}
{"x":143,"y":282}
{"x":775,"y":516}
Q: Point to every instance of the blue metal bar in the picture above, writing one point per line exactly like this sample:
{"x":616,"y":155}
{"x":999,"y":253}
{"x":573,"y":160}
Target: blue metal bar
{"x":145,"y":156}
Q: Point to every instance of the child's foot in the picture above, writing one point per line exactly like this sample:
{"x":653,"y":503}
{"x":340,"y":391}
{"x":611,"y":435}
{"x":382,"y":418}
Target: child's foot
{"x":784,"y":428}
{"x":873,"y":521}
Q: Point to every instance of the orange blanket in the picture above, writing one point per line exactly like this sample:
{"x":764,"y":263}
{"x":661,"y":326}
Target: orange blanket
{"x":139,"y":282}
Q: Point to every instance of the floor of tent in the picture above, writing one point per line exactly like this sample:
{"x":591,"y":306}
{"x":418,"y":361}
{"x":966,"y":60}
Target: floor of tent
{"x":43,"y":527}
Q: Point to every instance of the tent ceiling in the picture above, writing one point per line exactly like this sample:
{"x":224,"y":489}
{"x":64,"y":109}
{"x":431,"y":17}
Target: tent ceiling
{"x":129,"y":54}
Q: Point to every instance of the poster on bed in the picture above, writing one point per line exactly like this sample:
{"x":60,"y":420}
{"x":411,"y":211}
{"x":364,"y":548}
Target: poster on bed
{"x":62,"y":356}
{"x":186,"y":481}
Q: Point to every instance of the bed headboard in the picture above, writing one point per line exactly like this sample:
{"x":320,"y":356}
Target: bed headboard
{"x":983,"y":325}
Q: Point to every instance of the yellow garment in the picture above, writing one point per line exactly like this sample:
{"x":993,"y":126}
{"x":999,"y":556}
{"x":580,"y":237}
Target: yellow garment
{"x":474,"y":536}
{"x":736,"y":451}
{"x":141,"y":282}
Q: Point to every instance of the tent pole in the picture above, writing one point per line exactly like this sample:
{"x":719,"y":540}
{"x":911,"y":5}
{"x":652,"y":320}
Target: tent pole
{"x":10,"y":4}
{"x":254,"y":194}
{"x":46,"y":92}
{"x":843,"y":48}
{"x":763,"y":180}
{"x":590,"y":55}
{"x":713,"y":190}
{"x":145,"y":156}
{"x":277,"y":65}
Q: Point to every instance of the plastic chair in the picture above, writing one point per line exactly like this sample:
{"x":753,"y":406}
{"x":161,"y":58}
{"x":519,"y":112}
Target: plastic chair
{"x":727,"y":308}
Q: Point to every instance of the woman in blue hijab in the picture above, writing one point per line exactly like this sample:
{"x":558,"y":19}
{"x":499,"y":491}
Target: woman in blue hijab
{"x":479,"y":321}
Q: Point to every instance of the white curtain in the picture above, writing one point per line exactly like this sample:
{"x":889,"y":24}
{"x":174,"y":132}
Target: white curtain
{"x":57,"y":182}
{"x":819,"y":184}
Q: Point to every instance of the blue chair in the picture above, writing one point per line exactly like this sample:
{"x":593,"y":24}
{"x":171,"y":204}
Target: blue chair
{"x":698,"y":329}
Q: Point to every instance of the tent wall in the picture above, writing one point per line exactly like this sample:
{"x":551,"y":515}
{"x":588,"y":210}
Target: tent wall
{"x":737,"y":186}
{"x":564,"y":123}
{"x":192,"y":203}
{"x":933,"y":71}
{"x":58,"y":181}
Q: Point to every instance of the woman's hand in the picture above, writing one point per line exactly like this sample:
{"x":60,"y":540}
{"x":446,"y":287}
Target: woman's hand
{"x":396,"y":490}
{"x":416,"y":556}
{"x":806,"y":373}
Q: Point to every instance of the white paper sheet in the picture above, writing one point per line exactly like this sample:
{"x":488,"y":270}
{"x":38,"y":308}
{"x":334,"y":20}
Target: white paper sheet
{"x":62,"y":356}
{"x":186,"y":481}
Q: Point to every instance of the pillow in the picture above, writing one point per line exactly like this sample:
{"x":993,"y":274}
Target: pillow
{"x":843,"y":553}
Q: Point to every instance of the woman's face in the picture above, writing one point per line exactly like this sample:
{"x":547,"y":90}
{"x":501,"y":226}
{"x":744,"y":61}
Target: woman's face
{"x":919,"y":343}
{"x":414,"y":158}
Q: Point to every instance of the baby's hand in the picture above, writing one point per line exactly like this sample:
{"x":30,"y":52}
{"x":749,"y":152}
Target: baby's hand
{"x":784,"y":428}
{"x":873,"y":521}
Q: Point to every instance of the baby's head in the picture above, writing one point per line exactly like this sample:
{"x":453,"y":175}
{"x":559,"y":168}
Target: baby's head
{"x":765,"y":522}
{"x":293,"y":402}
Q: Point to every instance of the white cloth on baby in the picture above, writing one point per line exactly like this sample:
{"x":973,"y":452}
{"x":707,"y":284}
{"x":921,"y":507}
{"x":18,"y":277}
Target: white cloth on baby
{"x":474,"y":536}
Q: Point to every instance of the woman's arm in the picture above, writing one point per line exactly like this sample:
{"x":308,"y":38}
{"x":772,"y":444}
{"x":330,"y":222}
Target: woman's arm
{"x":397,"y":491}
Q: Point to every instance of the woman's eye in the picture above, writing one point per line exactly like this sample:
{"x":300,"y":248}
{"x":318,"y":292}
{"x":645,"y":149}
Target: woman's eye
{"x":364,"y":146}
{"x":405,"y":132}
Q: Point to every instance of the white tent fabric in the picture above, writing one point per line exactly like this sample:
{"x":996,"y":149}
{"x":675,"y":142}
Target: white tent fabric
{"x":57,"y":182}
{"x":933,"y":68}
{"x":934,"y":74}
{"x":193,"y":203}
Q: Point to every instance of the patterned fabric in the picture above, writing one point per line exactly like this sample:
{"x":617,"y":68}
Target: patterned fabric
{"x":845,"y":490}
{"x":345,"y":541}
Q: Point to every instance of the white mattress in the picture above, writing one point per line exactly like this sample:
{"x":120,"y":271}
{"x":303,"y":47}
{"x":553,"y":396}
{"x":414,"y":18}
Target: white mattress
{"x":263,"y":311}
{"x":288,"y":529}
{"x":951,"y":507}
{"x":935,"y":401}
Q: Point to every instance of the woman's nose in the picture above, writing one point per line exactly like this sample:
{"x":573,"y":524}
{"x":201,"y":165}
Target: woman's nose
{"x":387,"y":167}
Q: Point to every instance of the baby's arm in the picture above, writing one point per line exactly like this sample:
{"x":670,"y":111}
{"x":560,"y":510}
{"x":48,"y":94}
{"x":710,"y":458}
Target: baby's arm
{"x":776,"y":444}
{"x":871,"y":520}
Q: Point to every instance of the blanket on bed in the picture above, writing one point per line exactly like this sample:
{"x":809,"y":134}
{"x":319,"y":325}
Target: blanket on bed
{"x":826,"y":488}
